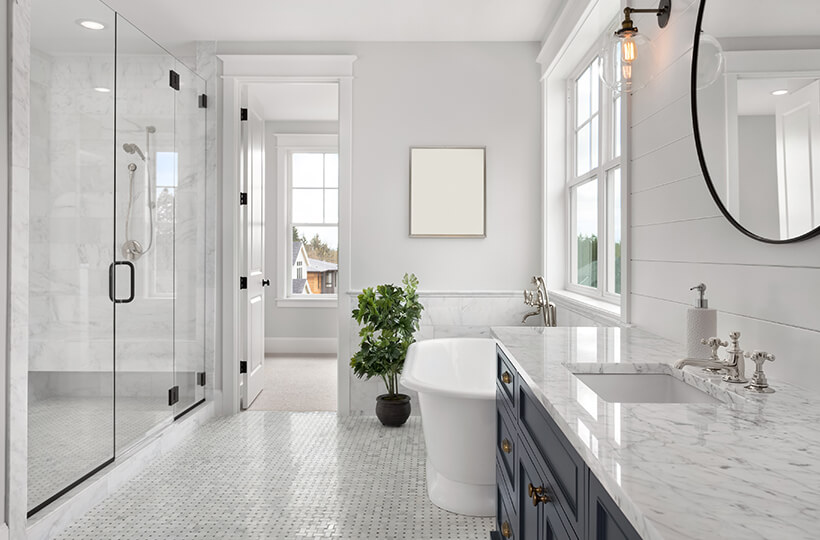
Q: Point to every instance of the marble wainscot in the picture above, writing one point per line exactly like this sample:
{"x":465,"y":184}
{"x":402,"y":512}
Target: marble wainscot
{"x":747,"y":467}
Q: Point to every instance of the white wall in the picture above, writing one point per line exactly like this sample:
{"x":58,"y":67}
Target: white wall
{"x":756,"y":145}
{"x":769,"y":293}
{"x":459,"y":94}
{"x":288,"y":322}
{"x":406,"y":94}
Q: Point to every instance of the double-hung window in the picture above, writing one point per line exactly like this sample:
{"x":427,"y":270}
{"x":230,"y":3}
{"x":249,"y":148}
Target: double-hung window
{"x":594,"y":184}
{"x":313,"y":221}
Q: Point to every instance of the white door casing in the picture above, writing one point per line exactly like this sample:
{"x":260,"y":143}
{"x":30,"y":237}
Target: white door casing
{"x":253,"y":258}
{"x":798,"y":160}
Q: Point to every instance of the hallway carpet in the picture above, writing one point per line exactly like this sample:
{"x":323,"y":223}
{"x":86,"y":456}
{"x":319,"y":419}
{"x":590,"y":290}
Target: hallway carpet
{"x":281,"y":475}
{"x":298,"y":383}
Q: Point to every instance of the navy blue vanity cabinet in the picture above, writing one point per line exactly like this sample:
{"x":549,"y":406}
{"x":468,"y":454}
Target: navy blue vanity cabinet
{"x":538,"y":516}
{"x":545,"y":489}
{"x":606,"y":522}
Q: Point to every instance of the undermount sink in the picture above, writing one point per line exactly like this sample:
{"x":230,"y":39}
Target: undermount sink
{"x":643,"y":388}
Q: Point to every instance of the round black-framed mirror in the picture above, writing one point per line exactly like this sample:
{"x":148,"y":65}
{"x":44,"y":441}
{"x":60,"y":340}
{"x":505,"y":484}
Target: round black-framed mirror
{"x":743,"y":117}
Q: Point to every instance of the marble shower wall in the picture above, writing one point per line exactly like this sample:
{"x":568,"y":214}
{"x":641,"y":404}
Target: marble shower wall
{"x":448,"y":315}
{"x":74,"y":233}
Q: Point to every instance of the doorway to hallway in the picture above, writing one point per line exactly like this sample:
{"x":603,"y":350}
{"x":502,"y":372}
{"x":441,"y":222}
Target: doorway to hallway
{"x":298,"y":383}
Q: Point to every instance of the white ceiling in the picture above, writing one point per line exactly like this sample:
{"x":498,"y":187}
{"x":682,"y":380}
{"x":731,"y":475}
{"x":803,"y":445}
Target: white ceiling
{"x":754,"y":96}
{"x":177,"y":21}
{"x":738,"y":18}
{"x":296,"y":102}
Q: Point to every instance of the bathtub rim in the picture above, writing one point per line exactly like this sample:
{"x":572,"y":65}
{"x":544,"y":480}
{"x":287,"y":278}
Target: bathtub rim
{"x":412,"y":383}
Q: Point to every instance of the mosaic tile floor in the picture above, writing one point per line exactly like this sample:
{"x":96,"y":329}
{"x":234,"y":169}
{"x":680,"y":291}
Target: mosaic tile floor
{"x":283,"y":475}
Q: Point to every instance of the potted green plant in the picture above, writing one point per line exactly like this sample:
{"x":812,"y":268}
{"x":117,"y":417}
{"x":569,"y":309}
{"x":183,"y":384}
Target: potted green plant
{"x":388,"y":316}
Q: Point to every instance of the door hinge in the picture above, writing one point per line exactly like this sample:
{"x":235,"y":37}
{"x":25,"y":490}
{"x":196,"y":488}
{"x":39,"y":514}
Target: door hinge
{"x":243,"y":114}
{"x":174,"y":80}
{"x":243,"y":283}
{"x":203,"y":101}
{"x":173,"y":395}
{"x":243,"y":198}
{"x":200,"y":378}
{"x":243,"y":366}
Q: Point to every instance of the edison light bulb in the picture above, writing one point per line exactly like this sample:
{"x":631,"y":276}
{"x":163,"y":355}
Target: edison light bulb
{"x":628,"y":50}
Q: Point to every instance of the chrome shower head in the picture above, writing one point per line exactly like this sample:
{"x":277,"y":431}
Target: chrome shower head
{"x":133,"y":149}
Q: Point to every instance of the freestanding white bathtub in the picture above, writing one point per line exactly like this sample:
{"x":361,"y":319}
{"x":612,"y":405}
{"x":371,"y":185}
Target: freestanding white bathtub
{"x":455,"y":380}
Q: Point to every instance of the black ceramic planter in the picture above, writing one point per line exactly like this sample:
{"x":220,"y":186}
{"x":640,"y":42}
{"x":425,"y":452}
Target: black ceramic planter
{"x":393,"y":411}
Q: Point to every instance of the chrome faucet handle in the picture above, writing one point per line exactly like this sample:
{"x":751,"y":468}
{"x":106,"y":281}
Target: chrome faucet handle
{"x":759,"y":383}
{"x":715,"y":343}
{"x":734,"y":361}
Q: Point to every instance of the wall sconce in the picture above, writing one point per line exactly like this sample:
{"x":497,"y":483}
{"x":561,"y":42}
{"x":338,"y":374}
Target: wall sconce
{"x":627,"y":49}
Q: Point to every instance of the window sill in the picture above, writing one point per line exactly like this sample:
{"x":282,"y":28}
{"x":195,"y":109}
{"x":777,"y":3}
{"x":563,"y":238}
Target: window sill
{"x":594,"y":308}
{"x":307,"y":302}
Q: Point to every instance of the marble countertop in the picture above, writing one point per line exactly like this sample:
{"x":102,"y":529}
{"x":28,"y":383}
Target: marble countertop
{"x":747,"y":467}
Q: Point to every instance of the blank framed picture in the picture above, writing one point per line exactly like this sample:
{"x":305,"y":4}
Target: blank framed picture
{"x":448,"y":192}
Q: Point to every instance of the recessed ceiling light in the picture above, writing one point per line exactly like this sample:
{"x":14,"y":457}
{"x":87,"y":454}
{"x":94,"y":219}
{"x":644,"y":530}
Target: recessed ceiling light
{"x":102,"y":89}
{"x":780,"y":92}
{"x":91,"y":25}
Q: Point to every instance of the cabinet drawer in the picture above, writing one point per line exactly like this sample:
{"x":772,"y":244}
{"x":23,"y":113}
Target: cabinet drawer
{"x":507,"y":526}
{"x":506,"y":444}
{"x":562,"y":466}
{"x":506,"y":375}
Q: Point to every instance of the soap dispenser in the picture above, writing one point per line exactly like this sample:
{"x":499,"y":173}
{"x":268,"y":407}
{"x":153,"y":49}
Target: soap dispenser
{"x":701,"y":323}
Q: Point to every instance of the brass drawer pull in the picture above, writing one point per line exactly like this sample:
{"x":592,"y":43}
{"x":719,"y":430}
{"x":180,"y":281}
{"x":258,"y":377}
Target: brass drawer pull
{"x":506,"y":531}
{"x":506,"y":378}
{"x":538,"y":495}
{"x":506,"y":446}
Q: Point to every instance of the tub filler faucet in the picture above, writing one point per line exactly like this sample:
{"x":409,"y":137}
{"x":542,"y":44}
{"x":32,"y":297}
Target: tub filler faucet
{"x":540,"y":300}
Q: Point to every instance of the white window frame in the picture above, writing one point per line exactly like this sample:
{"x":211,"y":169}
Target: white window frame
{"x":606,"y":164}
{"x":286,"y":145}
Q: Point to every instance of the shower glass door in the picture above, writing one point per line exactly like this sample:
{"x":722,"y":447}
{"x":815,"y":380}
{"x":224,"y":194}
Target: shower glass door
{"x":189,"y":241}
{"x":71,"y":243}
{"x":146,"y":178}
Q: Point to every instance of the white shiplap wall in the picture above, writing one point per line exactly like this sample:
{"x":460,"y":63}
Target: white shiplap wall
{"x":770,"y":293}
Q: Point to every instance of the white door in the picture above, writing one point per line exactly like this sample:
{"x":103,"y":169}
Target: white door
{"x":253,"y":257}
{"x":798,"y":160}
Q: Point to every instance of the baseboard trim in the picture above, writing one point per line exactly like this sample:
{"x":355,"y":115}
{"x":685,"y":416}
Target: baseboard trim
{"x":4,"y":531}
{"x":301,"y":345}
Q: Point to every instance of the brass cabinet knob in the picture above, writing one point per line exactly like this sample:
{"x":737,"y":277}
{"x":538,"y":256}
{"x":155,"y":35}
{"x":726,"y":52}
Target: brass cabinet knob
{"x":506,"y":377}
{"x":506,"y":446}
{"x":538,"y":494}
{"x":506,"y":530}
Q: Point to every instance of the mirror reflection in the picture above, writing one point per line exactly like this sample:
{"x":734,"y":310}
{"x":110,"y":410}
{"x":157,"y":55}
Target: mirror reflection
{"x":759,"y":116}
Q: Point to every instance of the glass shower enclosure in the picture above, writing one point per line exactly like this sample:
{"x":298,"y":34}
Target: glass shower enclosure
{"x":117,"y":245}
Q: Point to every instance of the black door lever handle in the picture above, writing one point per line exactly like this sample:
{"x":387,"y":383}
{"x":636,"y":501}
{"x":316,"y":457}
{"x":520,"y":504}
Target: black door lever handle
{"x":265,"y":282}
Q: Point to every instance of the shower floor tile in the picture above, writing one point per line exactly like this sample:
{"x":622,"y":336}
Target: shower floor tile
{"x":69,"y":437}
{"x":283,"y":475}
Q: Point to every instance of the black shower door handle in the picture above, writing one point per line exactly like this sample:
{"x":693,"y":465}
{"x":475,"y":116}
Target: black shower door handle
{"x":112,"y":285}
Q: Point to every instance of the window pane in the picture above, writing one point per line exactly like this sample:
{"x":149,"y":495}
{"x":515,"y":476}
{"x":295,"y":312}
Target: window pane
{"x":307,"y":206}
{"x":595,"y":85}
{"x":582,"y":164}
{"x":331,"y":205}
{"x":166,"y":163}
{"x":586,"y":231}
{"x":594,"y":140}
{"x":307,"y":170}
{"x":616,"y":127}
{"x":614,"y":240}
{"x":332,"y":170}
{"x":582,"y":98}
{"x":320,"y":258}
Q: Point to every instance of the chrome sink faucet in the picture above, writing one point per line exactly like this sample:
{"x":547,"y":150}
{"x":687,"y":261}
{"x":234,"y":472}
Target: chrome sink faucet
{"x":540,"y":300}
{"x":734,"y":366}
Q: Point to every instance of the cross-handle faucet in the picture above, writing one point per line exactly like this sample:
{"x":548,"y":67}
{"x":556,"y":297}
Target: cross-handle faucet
{"x":540,"y":300}
{"x":734,"y":365}
{"x":759,"y":382}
